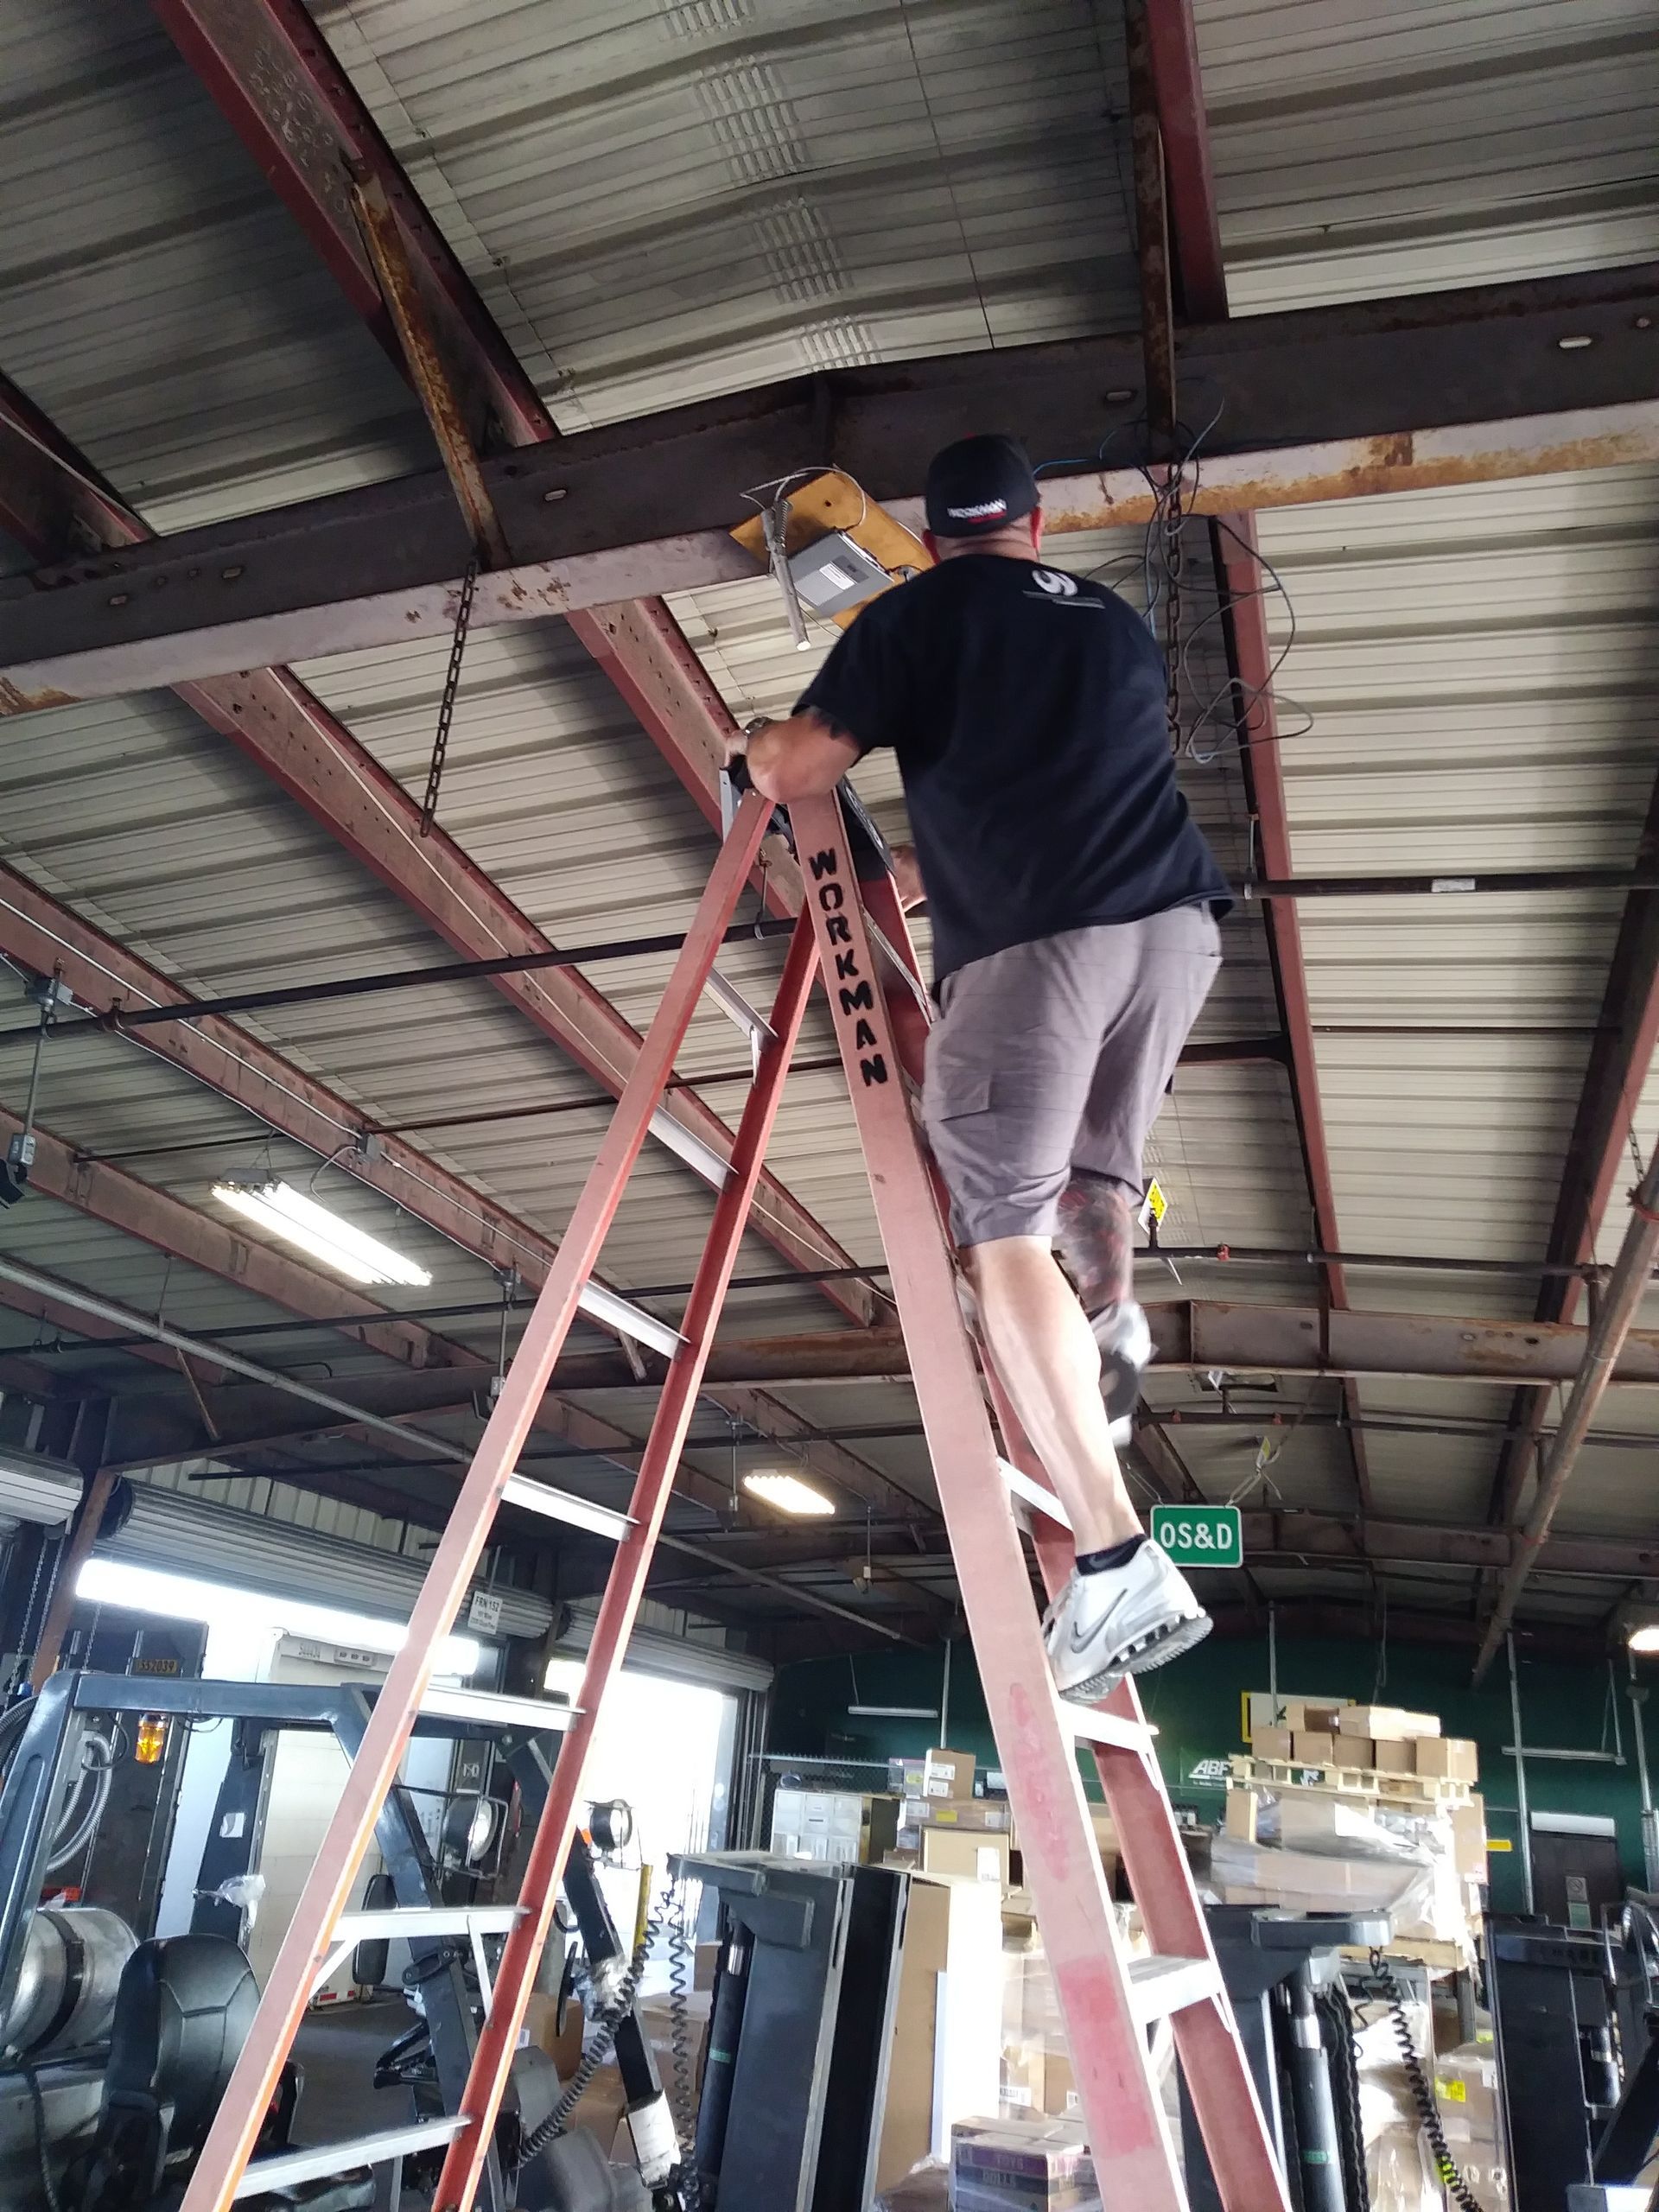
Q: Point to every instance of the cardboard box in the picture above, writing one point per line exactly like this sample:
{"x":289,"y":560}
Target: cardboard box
{"x":562,"y":2046}
{"x":1265,"y":1710}
{"x":1450,"y":1758}
{"x":943,"y":2059}
{"x":1468,"y":1839}
{"x":1271,"y":1743}
{"x":1024,"y":2064}
{"x":904,"y":1776}
{"x":1059,"y":2086}
{"x":656,"y":2018}
{"x":1040,"y":2163}
{"x":948,"y":1774}
{"x":1309,"y":1821}
{"x":1314,"y":1747}
{"x":1395,"y":1757}
{"x":1244,"y":1806}
{"x":968,"y":1852}
{"x":989,"y":1815}
{"x":1355,"y":1750}
{"x":1386,"y":1724}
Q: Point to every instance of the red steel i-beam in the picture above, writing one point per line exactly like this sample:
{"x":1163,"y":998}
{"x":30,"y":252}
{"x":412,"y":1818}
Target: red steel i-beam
{"x":305,"y":1947}
{"x":515,"y":1979}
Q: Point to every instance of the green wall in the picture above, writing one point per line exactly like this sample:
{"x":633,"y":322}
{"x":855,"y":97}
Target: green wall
{"x":1195,"y":1705}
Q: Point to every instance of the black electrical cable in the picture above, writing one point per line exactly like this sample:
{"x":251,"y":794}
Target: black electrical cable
{"x":1422,"y":2089}
{"x":1337,"y":2033}
{"x":48,"y":2187}
{"x":609,"y":2020}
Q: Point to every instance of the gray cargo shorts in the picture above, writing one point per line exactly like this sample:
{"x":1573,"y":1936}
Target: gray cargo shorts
{"x":1054,"y":1056}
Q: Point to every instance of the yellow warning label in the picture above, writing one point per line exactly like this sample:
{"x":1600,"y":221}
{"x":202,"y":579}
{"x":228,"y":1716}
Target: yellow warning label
{"x":1455,"y":2092}
{"x":1157,"y":1204}
{"x":1499,"y":1843}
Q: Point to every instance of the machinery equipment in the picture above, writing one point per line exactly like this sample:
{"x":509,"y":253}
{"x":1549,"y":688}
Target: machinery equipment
{"x":115,"y":2052}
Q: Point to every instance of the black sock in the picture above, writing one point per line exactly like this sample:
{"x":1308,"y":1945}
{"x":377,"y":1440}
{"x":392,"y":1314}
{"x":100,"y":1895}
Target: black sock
{"x":1114,"y":1555}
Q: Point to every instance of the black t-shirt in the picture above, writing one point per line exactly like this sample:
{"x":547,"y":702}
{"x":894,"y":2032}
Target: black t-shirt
{"x":1026,"y":708}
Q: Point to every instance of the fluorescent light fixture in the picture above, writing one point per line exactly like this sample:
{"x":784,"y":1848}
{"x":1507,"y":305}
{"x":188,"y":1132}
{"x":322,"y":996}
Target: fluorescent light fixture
{"x":339,"y":1244}
{"x":788,"y":1492}
{"x":894,"y":1712}
{"x":1645,"y":1638}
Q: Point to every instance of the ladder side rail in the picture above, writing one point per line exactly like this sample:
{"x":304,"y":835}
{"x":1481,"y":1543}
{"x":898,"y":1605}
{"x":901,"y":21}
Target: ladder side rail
{"x":1138,"y":2170}
{"x":1219,"y":2079}
{"x":653,"y":1486}
{"x":230,"y":2141}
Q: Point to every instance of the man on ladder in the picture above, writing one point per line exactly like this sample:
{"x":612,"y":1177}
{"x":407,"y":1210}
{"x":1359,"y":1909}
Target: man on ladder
{"x":1074,"y":906}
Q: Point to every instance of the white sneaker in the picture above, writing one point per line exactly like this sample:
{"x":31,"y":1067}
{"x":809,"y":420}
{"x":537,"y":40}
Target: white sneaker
{"x":1118,"y":1621}
{"x":1124,"y":1335}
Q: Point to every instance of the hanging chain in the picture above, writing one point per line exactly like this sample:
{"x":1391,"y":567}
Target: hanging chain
{"x":1174,"y":561}
{"x":447,"y":703}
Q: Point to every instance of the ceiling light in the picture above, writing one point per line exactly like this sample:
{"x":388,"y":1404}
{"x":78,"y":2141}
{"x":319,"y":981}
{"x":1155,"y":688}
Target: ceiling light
{"x":1645,"y":1638}
{"x":289,"y":1213}
{"x":788,"y":1492}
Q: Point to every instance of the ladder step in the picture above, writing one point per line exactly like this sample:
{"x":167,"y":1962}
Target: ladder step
{"x":291,"y":2166}
{"x":1106,"y":1730}
{"x":560,"y":1505}
{"x":1162,"y":1985}
{"x":496,"y":1711}
{"x":426,"y":1920}
{"x":1030,"y":1492}
{"x":631,"y":1319}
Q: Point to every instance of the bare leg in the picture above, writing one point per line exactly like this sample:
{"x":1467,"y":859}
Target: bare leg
{"x":1049,"y":1361}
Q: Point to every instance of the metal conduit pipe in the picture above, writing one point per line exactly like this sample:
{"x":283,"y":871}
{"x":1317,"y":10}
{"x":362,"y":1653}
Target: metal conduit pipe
{"x":1615,"y":1315}
{"x":158,"y":1332}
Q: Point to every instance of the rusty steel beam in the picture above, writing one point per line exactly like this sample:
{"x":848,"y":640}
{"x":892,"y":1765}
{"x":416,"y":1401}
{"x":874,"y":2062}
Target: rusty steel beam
{"x":1277,"y":1534}
{"x":1195,"y":1336}
{"x":1169,"y":53}
{"x":274,"y":722}
{"x":1200,"y":278}
{"x":1461,"y":387}
{"x":39,"y":933}
{"x":271,"y":72}
{"x":1621,"y":1054}
{"x":1606,"y":1339}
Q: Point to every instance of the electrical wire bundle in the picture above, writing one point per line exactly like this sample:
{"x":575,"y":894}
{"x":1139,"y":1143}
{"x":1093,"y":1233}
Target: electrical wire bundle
{"x":1422,"y":2089}
{"x":607,"y":2019}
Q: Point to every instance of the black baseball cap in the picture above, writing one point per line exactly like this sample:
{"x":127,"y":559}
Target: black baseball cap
{"x":979,"y":485}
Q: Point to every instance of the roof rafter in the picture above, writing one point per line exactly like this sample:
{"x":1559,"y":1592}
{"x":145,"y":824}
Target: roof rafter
{"x":274,"y":721}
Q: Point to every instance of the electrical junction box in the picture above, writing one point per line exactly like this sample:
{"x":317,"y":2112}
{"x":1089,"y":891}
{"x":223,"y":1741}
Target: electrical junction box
{"x":833,"y":573}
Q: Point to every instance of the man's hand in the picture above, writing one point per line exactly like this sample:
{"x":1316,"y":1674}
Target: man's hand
{"x":908,"y":877}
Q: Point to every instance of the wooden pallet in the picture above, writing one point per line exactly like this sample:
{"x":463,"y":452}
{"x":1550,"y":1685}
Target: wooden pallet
{"x":1417,"y":1791}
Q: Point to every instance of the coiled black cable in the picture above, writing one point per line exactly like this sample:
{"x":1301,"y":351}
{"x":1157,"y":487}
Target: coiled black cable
{"x":682,"y":2100}
{"x":1422,"y":2090}
{"x":1336,"y":2034}
{"x":610,"y":2020}
{"x":48,"y":2187}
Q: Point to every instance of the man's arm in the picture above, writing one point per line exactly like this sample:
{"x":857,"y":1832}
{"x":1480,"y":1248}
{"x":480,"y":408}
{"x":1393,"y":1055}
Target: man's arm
{"x":802,"y":757}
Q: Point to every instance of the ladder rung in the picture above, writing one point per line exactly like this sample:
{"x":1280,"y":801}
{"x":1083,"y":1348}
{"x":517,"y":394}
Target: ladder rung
{"x":494,"y":1710}
{"x":1159,"y":1986}
{"x":291,"y":2166}
{"x":1031,"y":1492}
{"x":560,"y":1506}
{"x":732,"y":1003}
{"x":1090,"y":1726}
{"x":426,"y":1920}
{"x":632,"y":1321}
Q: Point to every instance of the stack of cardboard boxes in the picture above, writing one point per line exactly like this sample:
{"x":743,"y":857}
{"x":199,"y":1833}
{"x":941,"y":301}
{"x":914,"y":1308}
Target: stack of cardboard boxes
{"x":1366,"y":1807}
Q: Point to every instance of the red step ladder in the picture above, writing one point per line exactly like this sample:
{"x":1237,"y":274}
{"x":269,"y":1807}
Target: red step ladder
{"x":1106,"y":1999}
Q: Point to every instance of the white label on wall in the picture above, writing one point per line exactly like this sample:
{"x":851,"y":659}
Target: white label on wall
{"x":484,"y":1612}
